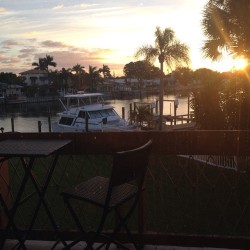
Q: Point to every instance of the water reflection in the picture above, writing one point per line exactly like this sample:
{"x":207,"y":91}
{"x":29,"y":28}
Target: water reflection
{"x":26,"y":116}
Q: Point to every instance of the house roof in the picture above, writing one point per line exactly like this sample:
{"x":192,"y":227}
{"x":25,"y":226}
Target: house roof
{"x":34,"y":71}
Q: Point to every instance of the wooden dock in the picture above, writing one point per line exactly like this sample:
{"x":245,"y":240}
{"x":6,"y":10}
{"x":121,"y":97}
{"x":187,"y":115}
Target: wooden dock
{"x":184,"y":126}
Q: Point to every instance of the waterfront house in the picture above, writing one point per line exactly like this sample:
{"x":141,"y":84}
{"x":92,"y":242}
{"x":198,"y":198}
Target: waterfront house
{"x":35,"y":76}
{"x":12,"y":93}
{"x":9,"y":90}
{"x":127,"y":84}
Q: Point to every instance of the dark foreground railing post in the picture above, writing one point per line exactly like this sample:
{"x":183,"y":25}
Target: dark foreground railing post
{"x":87,"y":123}
{"x":141,"y":217}
{"x":12,"y":124}
{"x":49,"y":122}
{"x":123,"y":112}
{"x":131,"y":112}
{"x":4,"y":190}
{"x":156,"y":106}
{"x":39,"y":126}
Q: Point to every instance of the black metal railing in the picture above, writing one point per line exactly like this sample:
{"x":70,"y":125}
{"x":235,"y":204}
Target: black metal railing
{"x":186,"y":202}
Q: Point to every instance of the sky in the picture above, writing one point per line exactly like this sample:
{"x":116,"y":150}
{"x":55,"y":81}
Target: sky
{"x":97,"y":32}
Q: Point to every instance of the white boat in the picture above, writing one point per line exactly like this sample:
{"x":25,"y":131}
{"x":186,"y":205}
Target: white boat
{"x":87,"y":112}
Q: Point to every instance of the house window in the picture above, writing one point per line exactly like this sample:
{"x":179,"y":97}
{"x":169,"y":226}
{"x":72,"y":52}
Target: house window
{"x":33,"y":79}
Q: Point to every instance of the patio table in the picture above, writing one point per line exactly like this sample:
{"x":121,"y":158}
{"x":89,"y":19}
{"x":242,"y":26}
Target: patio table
{"x":28,"y":150}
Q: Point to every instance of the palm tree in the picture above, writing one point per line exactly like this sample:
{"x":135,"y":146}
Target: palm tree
{"x":49,"y":60}
{"x":169,"y":50}
{"x":65,"y":74}
{"x":40,"y":65}
{"x":226,"y":26}
{"x":79,"y":72}
{"x":105,"y":70}
{"x":44,"y":63}
{"x":78,"y":69}
{"x":94,"y":76}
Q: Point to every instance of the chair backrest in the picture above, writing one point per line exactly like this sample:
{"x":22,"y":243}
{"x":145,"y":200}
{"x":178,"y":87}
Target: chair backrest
{"x":130,"y":165}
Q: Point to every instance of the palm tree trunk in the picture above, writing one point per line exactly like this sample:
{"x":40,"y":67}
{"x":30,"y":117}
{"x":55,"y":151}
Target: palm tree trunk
{"x":161,"y":98}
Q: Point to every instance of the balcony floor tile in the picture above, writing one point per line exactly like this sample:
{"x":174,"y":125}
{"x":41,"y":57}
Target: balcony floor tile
{"x":45,"y":245}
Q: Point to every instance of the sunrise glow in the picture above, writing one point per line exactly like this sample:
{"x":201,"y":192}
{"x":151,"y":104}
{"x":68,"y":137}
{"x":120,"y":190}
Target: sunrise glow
{"x":101,"y":33}
{"x":240,"y":63}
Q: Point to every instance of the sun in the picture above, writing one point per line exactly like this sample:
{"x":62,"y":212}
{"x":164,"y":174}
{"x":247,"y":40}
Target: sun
{"x":239,"y":63}
{"x":230,"y":63}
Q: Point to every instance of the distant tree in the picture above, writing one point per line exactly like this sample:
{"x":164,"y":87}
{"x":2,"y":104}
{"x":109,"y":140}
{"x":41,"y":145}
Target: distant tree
{"x":169,"y":50}
{"x":208,"y":112}
{"x":236,"y":100}
{"x":207,"y":76}
{"x":184,"y":75}
{"x":223,"y":102}
{"x":141,"y":70}
{"x":155,"y":72}
{"x":65,"y":74}
{"x":44,"y":63}
{"x":78,"y":69}
{"x":93,"y":77}
{"x":207,"y":101}
{"x":78,"y":73}
{"x":129,"y":70}
{"x":11,"y":78}
{"x":55,"y":83}
{"x":105,"y":70}
{"x":226,"y":25}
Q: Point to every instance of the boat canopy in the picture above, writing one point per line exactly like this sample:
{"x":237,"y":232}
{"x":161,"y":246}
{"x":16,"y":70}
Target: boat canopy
{"x":82,"y":99}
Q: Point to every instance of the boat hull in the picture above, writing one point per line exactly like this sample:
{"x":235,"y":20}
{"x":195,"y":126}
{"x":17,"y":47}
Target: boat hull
{"x":73,"y":129}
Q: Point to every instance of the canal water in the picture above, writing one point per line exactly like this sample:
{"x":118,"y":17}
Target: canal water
{"x":27,"y":116}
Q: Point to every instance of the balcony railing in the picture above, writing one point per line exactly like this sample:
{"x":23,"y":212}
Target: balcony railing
{"x":186,"y":202}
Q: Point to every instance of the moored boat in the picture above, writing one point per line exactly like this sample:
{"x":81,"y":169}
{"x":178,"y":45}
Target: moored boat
{"x":87,"y":112}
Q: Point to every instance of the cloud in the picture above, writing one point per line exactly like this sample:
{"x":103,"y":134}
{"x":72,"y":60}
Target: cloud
{"x":53,"y":44}
{"x":27,"y":52}
{"x":8,"y":61}
{"x":66,"y":56}
{"x":82,"y":56}
{"x":31,"y":40}
{"x":57,"y":7}
{"x":2,"y":10}
{"x":87,"y":6}
{"x":33,"y":34}
{"x":2,"y":54}
{"x":21,"y":53}
{"x":7,"y":44}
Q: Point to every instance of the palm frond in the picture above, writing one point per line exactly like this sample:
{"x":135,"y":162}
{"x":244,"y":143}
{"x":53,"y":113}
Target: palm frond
{"x":211,"y":50}
{"x":226,"y":26}
{"x":148,"y":52}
